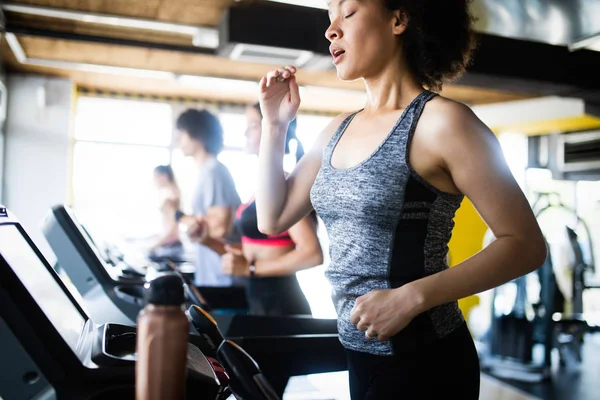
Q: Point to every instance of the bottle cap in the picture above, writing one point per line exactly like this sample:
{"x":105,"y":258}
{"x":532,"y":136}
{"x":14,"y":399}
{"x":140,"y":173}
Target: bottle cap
{"x":165,"y":290}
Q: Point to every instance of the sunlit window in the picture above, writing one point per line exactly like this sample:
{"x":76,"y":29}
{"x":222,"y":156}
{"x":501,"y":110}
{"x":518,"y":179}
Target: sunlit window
{"x":117,"y":145}
{"x":123,"y":121}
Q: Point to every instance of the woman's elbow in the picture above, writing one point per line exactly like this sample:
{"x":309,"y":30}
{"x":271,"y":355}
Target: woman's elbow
{"x":540,"y":252}
{"x":535,"y":251}
{"x":268,"y":228}
{"x":317,"y":255}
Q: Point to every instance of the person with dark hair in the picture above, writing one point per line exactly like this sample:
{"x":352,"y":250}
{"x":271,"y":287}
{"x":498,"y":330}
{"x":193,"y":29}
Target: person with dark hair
{"x":271,"y":261}
{"x":169,"y":200}
{"x":386,"y":180}
{"x":200,"y":136}
{"x":201,"y":127}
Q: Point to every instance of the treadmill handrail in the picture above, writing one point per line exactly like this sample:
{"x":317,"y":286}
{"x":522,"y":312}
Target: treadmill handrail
{"x":275,"y":337}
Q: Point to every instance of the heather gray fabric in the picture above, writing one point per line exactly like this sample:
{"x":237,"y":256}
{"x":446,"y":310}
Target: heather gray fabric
{"x":387,"y":226}
{"x":214,"y":188}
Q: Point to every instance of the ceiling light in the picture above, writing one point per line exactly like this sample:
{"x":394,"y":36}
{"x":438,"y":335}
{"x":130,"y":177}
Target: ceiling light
{"x":102,"y":69}
{"x":205,"y":37}
{"x":214,"y":84}
{"x":20,"y":55}
{"x":239,"y":86}
{"x":16,"y":47}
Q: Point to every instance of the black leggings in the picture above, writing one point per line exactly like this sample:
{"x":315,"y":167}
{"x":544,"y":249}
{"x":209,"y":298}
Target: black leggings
{"x":447,"y":368}
{"x":276,"y":296}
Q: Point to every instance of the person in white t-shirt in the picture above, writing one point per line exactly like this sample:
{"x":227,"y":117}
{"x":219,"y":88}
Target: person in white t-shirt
{"x":200,"y":136}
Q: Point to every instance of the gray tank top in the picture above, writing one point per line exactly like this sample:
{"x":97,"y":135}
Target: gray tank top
{"x":387,"y":226}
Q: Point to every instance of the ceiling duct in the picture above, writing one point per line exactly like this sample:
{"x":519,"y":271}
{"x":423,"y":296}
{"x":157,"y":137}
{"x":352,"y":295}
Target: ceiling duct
{"x":294,"y":35}
{"x":558,"y":22}
{"x":570,"y":156}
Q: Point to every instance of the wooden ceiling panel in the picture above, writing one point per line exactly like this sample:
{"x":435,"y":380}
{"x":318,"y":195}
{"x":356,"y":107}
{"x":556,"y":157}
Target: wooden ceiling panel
{"x":166,"y":87}
{"x":193,"y":12}
{"x":197,"y":64}
{"x":182,"y":63}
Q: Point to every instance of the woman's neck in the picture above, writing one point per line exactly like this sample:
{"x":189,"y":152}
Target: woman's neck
{"x":392,"y":89}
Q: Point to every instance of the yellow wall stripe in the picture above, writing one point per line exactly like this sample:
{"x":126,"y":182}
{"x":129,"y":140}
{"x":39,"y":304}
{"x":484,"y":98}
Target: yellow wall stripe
{"x":545,"y":127}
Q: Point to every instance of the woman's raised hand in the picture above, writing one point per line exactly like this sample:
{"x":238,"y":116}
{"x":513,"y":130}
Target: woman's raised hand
{"x":279,"y":96}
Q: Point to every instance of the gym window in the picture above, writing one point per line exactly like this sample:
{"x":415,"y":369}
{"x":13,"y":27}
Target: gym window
{"x":117,"y":144}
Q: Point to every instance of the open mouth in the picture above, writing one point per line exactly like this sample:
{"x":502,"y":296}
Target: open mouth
{"x":337,"y":55}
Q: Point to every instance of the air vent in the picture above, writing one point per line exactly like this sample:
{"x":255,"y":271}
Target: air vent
{"x":244,"y":34}
{"x":269,"y":55}
{"x":577,"y":152}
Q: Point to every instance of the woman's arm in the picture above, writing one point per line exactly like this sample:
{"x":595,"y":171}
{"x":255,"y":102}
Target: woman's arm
{"x":281,"y":202}
{"x":172,"y":232}
{"x":171,"y":235}
{"x":215,"y":245}
{"x":219,"y":222}
{"x":307,"y":254}
{"x":472,"y":156}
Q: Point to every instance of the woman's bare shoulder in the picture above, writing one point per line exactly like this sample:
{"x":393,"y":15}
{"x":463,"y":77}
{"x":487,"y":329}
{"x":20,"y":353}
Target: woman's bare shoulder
{"x":444,"y":119}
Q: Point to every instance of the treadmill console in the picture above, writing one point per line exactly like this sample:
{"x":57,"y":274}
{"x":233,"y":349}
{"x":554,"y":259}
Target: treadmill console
{"x":53,"y":346}
{"x":110,"y":294}
{"x":40,"y":283}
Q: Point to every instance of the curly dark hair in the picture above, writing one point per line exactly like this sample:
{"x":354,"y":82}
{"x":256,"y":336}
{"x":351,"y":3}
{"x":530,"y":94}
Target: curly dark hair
{"x":204,"y":127}
{"x":438,"y":41}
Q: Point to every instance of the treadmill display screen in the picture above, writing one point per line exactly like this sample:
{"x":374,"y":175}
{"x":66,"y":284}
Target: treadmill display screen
{"x":42,"y":286}
{"x":86,"y":236}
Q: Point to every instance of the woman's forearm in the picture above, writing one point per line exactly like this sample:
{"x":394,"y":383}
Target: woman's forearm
{"x":168,"y":237}
{"x":289,"y":263}
{"x":215,"y":245}
{"x":272,"y":189}
{"x":503,"y":260}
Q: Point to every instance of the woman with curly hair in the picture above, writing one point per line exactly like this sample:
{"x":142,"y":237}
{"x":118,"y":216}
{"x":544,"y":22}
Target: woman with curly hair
{"x":386,"y":181}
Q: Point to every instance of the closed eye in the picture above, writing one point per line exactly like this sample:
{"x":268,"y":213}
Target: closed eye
{"x":349,"y":15}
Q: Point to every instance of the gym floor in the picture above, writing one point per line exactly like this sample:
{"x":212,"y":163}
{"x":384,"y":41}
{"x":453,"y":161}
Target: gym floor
{"x":579,"y":383}
{"x":334,"y":386}
{"x":576,"y":384}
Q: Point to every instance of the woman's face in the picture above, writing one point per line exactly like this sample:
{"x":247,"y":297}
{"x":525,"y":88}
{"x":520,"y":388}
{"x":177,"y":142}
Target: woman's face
{"x":188,"y":146}
{"x":364,"y":37}
{"x":253,"y":130}
{"x":160,"y":180}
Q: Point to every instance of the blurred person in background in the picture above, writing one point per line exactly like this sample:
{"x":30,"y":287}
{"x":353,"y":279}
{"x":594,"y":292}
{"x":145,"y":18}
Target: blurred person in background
{"x":168,"y":242}
{"x":200,"y":136}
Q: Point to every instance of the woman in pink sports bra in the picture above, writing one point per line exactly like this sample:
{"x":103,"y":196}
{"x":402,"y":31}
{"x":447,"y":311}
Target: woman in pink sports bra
{"x":271,"y":262}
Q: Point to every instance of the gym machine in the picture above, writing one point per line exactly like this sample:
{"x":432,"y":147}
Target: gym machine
{"x":520,"y":342}
{"x":51,"y":348}
{"x":284,"y":346}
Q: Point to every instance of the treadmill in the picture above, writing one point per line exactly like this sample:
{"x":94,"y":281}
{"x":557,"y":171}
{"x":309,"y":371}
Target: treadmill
{"x":293,"y":345}
{"x":51,"y":349}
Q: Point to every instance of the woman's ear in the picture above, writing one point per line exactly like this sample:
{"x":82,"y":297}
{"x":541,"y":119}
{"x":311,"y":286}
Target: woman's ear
{"x":400,"y":20}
